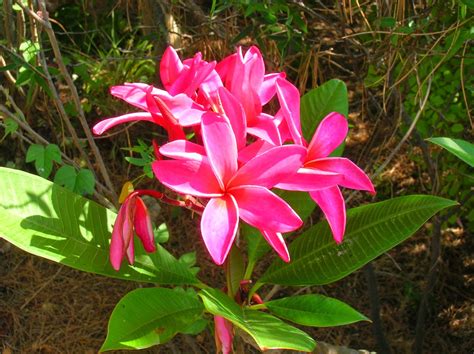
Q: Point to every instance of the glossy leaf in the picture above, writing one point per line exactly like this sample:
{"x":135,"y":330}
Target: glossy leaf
{"x":151,"y":316}
{"x":267,"y":331}
{"x":460,"y":148}
{"x":319,"y":102}
{"x":314,"y":310}
{"x":371,"y":230}
{"x":49,"y":221}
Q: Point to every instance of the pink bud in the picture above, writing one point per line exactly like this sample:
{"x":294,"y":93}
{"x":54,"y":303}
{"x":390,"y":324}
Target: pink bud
{"x":223,"y":335}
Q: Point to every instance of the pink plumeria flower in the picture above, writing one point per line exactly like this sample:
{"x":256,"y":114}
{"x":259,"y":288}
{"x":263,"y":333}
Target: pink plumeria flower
{"x":244,"y":76}
{"x":320,"y":174}
{"x":183,"y":110}
{"x":211,"y":171}
{"x":187,"y":77}
{"x":133,"y":215}
{"x":223,"y":335}
{"x":330,"y":133}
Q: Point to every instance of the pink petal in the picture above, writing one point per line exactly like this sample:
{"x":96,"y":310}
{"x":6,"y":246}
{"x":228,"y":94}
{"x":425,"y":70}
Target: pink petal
{"x":253,"y":150}
{"x":235,"y":113}
{"x":265,"y":128}
{"x":309,"y":179}
{"x":223,"y":335}
{"x":132,"y":93}
{"x":128,"y":230}
{"x":116,"y":250}
{"x":143,"y":226}
{"x":245,"y":81}
{"x":131,"y":251}
{"x":253,"y":59}
{"x":330,"y":133}
{"x":283,"y":129}
{"x":208,"y":90}
{"x":265,"y":210}
{"x":164,"y":117}
{"x":221,"y":147}
{"x":275,"y":239}
{"x":190,"y":78}
{"x":271,"y":167}
{"x":225,"y":69}
{"x":268,"y":88}
{"x":352,"y":176}
{"x":181,"y":106}
{"x":170,"y":67}
{"x":331,"y":202}
{"x":219,"y":226}
{"x":188,"y":177}
{"x":289,"y":98}
{"x":183,"y":150}
{"x":104,"y":125}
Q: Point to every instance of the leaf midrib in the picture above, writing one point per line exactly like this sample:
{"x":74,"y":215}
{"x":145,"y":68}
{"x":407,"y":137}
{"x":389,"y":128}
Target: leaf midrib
{"x":320,"y":313}
{"x":355,"y":232}
{"x":196,"y":307}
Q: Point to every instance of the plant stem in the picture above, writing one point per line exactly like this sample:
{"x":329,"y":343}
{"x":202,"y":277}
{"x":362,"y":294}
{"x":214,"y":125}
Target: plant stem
{"x":249,"y":269}
{"x":257,"y":307}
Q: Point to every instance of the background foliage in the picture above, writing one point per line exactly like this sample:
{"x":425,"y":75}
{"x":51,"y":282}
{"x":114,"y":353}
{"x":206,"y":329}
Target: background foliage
{"x":408,"y":66}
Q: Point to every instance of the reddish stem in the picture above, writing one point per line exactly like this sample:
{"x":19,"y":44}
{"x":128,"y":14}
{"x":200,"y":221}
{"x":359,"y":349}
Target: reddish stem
{"x":188,"y":203}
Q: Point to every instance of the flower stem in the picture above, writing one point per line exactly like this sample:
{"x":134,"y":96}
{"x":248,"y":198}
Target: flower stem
{"x":189,"y":203}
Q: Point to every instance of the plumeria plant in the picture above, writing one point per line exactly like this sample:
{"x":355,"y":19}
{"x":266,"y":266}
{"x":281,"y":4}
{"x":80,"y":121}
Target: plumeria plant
{"x":252,"y":160}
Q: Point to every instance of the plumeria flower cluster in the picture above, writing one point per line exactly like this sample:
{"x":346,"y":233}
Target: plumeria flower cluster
{"x":238,"y":154}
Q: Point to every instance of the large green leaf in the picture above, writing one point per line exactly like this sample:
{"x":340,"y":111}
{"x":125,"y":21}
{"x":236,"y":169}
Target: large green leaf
{"x":151,"y":316}
{"x":319,"y":102}
{"x":314,"y":310}
{"x":371,"y":230}
{"x":460,"y":148}
{"x":267,"y":331}
{"x":257,"y":246}
{"x":49,"y":221}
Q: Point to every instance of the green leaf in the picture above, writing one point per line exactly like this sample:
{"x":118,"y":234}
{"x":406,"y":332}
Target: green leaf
{"x":457,"y":128}
{"x":235,"y":269}
{"x":460,"y":148}
{"x":387,"y":22}
{"x":196,"y":327}
{"x":468,"y":3}
{"x":315,"y":311}
{"x":371,"y":230}
{"x":82,"y":183}
{"x":43,"y":158}
{"x":24,"y":77}
{"x":150,"y":316}
{"x":29,"y":50}
{"x":49,"y":221}
{"x":267,"y":331}
{"x":66,"y":177}
{"x":189,"y":259}
{"x":8,"y":67}
{"x":257,"y":247}
{"x":319,"y":102}
{"x":10,"y":126}
{"x":161,"y":234}
{"x":85,"y":182}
